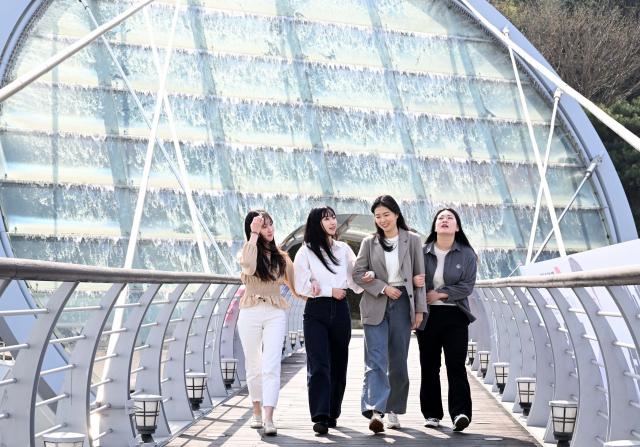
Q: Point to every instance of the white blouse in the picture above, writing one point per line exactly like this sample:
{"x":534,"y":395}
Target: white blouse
{"x":393,"y":263}
{"x":308,"y":267}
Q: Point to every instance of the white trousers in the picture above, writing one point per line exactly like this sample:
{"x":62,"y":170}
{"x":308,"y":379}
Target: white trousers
{"x":258,"y":326}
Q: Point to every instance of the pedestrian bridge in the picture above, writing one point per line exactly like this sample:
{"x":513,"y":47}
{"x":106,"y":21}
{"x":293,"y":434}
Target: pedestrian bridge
{"x":150,"y":331}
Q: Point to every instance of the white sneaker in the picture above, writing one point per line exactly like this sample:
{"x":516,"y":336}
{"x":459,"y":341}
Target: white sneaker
{"x":431,"y":422}
{"x":376,"y":424}
{"x":392,"y":420}
{"x":256,"y":421}
{"x":270,"y":429}
{"x":460,"y":422}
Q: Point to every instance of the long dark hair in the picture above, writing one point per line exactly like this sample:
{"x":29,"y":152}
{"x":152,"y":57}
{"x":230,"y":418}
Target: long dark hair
{"x":271,"y":262}
{"x":317,"y":239}
{"x":460,"y":237}
{"x":388,"y":202}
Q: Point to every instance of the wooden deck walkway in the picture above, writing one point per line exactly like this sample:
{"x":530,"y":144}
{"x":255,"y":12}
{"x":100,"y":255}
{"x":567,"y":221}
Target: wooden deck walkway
{"x":228,"y":424}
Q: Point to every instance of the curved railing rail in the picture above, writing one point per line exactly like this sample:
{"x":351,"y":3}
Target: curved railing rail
{"x":578,"y":335}
{"x":177,"y":323}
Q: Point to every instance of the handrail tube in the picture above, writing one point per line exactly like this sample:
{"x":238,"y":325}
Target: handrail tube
{"x":114,"y":331}
{"x":8,"y":382}
{"x":56,"y":341}
{"x":615,"y":276}
{"x":49,"y":430}
{"x":122,"y":306}
{"x":28,"y":269}
{"x":103,"y":434}
{"x":48,"y":65}
{"x":96,"y":385}
{"x":106,"y":357}
{"x":52,"y":400}
{"x":81,"y":309}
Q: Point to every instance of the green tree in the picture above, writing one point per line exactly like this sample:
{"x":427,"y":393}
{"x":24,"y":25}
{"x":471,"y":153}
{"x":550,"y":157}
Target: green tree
{"x":625,"y":158}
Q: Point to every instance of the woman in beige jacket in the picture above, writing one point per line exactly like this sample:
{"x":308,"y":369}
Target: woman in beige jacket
{"x":262,"y":321}
{"x":390,"y":307}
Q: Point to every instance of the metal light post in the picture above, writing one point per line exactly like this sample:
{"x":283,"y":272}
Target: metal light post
{"x":293,"y":337}
{"x":484,"y":361}
{"x":502,"y":372}
{"x":563,"y":416}
{"x":63,"y":439}
{"x":195,"y":389}
{"x":301,"y":337}
{"x":526,"y":392}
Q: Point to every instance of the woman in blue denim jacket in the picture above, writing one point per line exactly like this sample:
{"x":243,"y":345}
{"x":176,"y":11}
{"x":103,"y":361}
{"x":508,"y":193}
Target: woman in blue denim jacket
{"x":450,"y":275}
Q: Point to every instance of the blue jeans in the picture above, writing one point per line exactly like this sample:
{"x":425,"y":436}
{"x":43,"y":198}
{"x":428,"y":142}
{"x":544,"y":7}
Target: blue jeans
{"x":327,"y":332}
{"x":386,"y":347}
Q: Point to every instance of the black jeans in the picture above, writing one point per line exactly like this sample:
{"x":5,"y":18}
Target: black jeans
{"x":327,"y":333}
{"x":448,"y":328}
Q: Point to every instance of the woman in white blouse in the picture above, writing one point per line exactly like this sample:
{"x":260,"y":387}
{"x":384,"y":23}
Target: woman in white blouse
{"x":323,"y":272}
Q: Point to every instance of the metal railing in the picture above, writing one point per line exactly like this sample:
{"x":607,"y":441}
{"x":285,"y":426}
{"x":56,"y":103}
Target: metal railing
{"x":578,"y":335}
{"x":204,"y":333}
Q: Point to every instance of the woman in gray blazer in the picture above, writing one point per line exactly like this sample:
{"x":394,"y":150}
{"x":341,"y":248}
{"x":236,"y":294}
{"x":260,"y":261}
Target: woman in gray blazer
{"x":390,"y":308}
{"x":450,"y":275}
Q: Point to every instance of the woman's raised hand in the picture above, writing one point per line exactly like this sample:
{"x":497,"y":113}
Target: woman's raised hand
{"x":256,"y":224}
{"x":418,"y":280}
{"x":338,"y":293}
{"x":392,"y":292}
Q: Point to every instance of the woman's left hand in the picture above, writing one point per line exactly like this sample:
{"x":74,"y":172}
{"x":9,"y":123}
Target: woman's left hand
{"x":433,"y":295}
{"x":419,"y":318}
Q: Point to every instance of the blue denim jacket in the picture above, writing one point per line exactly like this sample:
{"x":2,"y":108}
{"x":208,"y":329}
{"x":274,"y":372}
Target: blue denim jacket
{"x":460,"y":268}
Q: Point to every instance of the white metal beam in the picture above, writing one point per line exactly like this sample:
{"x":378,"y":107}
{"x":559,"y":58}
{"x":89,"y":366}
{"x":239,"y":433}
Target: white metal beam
{"x":48,"y":65}
{"x":543,"y":178}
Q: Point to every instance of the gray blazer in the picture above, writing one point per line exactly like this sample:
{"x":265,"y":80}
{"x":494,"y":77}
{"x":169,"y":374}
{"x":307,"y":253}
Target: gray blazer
{"x":460,"y":269}
{"x":371,"y":257}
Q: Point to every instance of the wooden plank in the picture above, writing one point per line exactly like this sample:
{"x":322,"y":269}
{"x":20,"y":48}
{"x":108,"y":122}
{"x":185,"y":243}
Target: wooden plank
{"x":295,"y":428}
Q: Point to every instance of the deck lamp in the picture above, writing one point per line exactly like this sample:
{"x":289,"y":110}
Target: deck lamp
{"x":284,"y":344}
{"x":526,"y":391}
{"x":229,"y":368}
{"x":293,"y":338}
{"x":146,"y":411}
{"x":484,"y":361}
{"x":563,"y":417}
{"x":471,"y":351}
{"x":502,"y":372}
{"x":195,"y":388}
{"x":63,"y":439}
{"x":301,"y":337}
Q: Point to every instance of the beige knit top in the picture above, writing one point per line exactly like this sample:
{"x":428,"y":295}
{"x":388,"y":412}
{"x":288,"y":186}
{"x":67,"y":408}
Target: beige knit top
{"x":256,"y":289}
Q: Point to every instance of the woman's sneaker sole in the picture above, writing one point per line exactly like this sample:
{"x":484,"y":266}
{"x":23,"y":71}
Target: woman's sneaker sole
{"x":376,"y":425}
{"x":321,"y":429}
{"x":461,"y":423}
{"x":432,"y":424}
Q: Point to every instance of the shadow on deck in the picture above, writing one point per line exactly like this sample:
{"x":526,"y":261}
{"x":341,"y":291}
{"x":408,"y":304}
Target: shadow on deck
{"x":228,"y":424}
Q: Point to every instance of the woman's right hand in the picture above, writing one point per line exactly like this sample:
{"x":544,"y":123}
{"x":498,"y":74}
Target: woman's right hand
{"x":368,"y":277}
{"x":256,"y":224}
{"x":418,"y":280}
{"x":392,"y":292}
{"x":338,"y":293}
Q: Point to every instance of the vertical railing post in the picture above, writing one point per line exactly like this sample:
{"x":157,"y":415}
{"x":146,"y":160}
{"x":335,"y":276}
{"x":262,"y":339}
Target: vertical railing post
{"x":543,"y":370}
{"x":198,"y":360}
{"x":117,"y":391}
{"x":178,"y":408}
{"x":77,"y":381}
{"x":565,"y":386}
{"x":510,"y":393}
{"x":19,"y":399}
{"x":592,"y":404}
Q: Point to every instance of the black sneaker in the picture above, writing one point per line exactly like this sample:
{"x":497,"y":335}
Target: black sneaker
{"x":460,"y":422}
{"x":321,"y":427}
{"x":332,"y":423}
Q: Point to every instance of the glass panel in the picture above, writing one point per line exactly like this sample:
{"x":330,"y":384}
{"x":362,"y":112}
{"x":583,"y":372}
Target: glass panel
{"x":350,"y":11}
{"x":428,"y":53}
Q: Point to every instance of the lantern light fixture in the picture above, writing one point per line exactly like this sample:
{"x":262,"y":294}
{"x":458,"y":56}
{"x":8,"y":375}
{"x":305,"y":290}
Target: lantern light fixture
{"x":196,"y":384}
{"x":63,"y":439}
{"x":146,"y":411}
{"x":563,"y":417}
{"x":229,"y":368}
{"x":301,"y":337}
{"x":284,"y":344}
{"x":484,"y":361}
{"x":293,"y":338}
{"x":526,"y":392}
{"x":501,"y":370}
{"x":471,"y":351}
